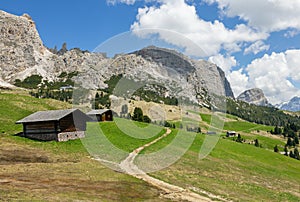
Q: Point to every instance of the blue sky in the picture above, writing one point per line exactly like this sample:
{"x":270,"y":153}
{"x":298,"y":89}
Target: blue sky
{"x":255,"y":42}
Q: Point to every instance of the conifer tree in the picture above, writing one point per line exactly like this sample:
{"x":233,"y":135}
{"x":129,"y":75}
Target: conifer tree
{"x":276,"y":149}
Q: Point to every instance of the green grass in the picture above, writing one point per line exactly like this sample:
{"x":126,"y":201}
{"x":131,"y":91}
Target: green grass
{"x":266,"y":142}
{"x":107,"y":141}
{"x":206,"y":118}
{"x":58,"y":171}
{"x":238,"y":126}
{"x":162,"y":143}
{"x":15,"y":106}
{"x":240,"y":172}
{"x":243,"y":126}
{"x":236,"y":171}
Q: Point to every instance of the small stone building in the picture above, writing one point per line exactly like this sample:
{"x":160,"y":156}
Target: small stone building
{"x":58,"y":125}
{"x":99,"y":115}
{"x":230,"y":134}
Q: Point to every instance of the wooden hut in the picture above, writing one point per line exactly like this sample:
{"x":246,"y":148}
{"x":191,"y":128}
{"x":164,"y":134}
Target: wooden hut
{"x":59,"y":125}
{"x":99,"y":115}
{"x":230,"y":133}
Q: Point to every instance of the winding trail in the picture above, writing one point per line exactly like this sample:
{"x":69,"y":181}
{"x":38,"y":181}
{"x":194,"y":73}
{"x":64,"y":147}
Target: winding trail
{"x":172,"y":192}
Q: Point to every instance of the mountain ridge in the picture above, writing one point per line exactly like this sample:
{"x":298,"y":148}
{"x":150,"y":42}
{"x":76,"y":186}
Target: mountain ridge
{"x":254,"y":96}
{"x":27,"y":56}
{"x":292,"y":105}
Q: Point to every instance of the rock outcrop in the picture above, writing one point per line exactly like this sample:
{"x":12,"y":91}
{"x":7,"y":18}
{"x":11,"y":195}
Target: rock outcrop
{"x":23,"y":54}
{"x":293,"y":105}
{"x":254,"y":96}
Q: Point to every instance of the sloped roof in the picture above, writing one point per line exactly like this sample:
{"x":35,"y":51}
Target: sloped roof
{"x":51,"y":115}
{"x":97,"y":111}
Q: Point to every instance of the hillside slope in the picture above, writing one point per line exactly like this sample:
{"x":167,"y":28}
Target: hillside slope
{"x":55,"y":171}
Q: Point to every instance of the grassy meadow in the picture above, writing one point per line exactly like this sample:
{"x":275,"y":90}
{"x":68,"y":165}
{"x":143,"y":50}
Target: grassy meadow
{"x":64,"y":171}
{"x":239,"y":172}
{"x":57,"y":171}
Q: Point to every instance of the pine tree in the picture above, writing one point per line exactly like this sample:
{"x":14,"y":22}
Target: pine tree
{"x":286,"y":151}
{"x":289,"y":142}
{"x":276,"y":149}
{"x":296,"y":139}
{"x":239,"y":138}
{"x":296,"y":154}
{"x":292,"y":154}
{"x":256,"y":143}
{"x":146,"y":119}
{"x":137,"y":114}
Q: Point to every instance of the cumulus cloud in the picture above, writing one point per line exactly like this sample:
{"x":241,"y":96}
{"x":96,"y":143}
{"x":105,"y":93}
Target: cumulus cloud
{"x":225,"y":63}
{"x":128,"y":2}
{"x":274,"y":73}
{"x":266,"y":15}
{"x":291,"y":33}
{"x":239,"y":81}
{"x":178,"y":16}
{"x":256,"y":47}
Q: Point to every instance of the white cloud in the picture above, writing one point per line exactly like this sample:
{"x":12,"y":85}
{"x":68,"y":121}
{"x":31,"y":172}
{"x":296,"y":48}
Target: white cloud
{"x":266,"y":15}
{"x":128,"y":2}
{"x":238,"y":81}
{"x":225,"y":63}
{"x":291,"y":33}
{"x":256,"y":47}
{"x":273,"y":74}
{"x":178,"y":16}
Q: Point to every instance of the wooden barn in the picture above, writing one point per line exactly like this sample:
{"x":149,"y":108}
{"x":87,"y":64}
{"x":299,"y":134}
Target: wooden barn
{"x":230,"y":134}
{"x":99,"y":115}
{"x":58,"y":125}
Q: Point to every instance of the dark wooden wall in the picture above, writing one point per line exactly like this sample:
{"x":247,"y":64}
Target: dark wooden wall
{"x":45,"y":131}
{"x":73,"y":122}
{"x":107,"y":116}
{"x":48,"y":130}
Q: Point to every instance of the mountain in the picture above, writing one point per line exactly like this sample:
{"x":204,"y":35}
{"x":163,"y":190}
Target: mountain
{"x":293,"y":105}
{"x":254,"y":96}
{"x":23,"y":55}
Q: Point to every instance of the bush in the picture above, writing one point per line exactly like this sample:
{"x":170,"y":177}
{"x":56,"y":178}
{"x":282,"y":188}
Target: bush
{"x":146,"y":119}
{"x":30,"y":82}
{"x":137,"y":114}
{"x":256,"y":143}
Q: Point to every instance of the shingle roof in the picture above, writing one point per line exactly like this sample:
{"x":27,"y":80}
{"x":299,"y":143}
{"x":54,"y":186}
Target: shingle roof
{"x":97,"y":111}
{"x":51,"y":115}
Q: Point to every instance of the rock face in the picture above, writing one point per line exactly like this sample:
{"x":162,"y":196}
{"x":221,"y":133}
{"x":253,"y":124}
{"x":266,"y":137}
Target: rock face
{"x":203,"y":75}
{"x":23,"y":54}
{"x":293,"y":105}
{"x":254,"y":96}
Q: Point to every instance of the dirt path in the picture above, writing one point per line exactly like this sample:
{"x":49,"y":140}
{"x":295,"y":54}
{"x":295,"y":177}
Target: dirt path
{"x":172,"y":192}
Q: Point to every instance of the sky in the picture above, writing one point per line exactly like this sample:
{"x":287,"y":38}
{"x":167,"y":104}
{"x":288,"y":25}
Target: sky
{"x":256,"y":43}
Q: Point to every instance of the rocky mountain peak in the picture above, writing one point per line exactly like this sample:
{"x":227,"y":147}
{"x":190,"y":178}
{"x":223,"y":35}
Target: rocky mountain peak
{"x":254,"y":96}
{"x":23,"y":54}
{"x":168,"y":58}
{"x":293,"y":105}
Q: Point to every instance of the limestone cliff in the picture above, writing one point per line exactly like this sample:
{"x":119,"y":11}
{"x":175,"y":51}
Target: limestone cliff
{"x":23,"y":54}
{"x":254,"y":96}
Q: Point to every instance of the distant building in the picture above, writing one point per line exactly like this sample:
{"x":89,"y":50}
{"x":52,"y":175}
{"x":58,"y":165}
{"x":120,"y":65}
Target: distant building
{"x":66,"y":88}
{"x":230,"y":133}
{"x":101,"y":115}
{"x":58,"y":125}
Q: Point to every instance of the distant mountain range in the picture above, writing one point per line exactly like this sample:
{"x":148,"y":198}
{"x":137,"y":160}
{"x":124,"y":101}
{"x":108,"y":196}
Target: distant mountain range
{"x":292,"y":105}
{"x":23,"y":55}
